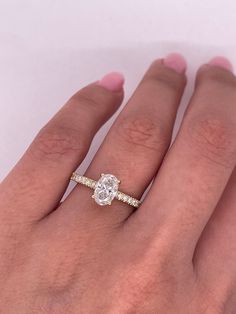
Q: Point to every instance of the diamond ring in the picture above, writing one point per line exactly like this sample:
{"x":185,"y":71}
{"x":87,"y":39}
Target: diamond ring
{"x":106,"y":189}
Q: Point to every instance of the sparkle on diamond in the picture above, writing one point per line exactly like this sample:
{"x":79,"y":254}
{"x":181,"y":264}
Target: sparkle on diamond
{"x":106,"y":189}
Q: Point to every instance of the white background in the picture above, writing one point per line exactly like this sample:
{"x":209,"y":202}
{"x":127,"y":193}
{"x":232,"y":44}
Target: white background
{"x":50,"y":48}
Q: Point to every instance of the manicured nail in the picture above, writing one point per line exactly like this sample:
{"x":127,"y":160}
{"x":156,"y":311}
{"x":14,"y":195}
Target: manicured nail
{"x":176,"y":62}
{"x":222,"y":62}
{"x":113,"y":81}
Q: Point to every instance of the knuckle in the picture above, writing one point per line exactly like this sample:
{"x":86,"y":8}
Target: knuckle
{"x":163,"y":277}
{"x":92,"y":99}
{"x":137,"y":293}
{"x":85,"y":98}
{"x":142,"y":132}
{"x":56,"y":143}
{"x":214,"y":136}
{"x":164,"y":80}
{"x":164,"y":76}
{"x":213,"y":75}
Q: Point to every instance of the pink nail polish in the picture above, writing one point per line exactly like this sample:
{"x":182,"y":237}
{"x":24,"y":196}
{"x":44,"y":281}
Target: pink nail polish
{"x":176,"y":62}
{"x":113,"y":81}
{"x":221,"y":62}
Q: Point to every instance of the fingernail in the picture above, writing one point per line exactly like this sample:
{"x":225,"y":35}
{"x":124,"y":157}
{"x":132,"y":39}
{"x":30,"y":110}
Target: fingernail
{"x":113,"y":81}
{"x":176,"y":62}
{"x":221,"y":62}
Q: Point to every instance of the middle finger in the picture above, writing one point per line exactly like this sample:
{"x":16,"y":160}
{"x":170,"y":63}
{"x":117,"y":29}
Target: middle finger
{"x":199,"y":163}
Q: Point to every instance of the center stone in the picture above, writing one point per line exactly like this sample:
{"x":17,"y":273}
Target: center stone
{"x":106,"y":189}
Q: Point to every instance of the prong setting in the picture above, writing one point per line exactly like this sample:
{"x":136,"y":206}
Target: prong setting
{"x":106,"y":189}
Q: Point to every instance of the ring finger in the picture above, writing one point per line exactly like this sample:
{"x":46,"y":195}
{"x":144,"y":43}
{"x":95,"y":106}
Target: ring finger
{"x":138,"y":140}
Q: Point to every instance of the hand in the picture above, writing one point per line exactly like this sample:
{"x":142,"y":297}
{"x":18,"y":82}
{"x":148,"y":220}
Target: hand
{"x":176,"y":253}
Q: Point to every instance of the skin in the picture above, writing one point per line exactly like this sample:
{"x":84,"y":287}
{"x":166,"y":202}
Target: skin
{"x":176,"y":253}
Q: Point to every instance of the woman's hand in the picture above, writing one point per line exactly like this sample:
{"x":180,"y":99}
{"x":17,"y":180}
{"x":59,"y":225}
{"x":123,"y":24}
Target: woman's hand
{"x":177,"y":252}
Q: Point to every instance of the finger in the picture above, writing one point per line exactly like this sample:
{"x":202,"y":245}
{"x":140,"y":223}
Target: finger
{"x":136,"y":143}
{"x":199,"y":164}
{"x":215,"y":255}
{"x":36,"y":184}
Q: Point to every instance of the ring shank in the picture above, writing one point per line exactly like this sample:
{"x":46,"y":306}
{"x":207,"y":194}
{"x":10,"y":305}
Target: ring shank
{"x":120,"y":196}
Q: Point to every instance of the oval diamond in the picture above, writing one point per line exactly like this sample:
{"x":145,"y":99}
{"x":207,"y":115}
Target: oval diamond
{"x":106,"y":189}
